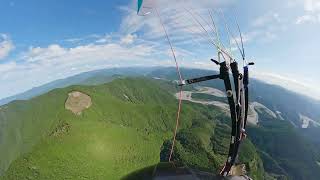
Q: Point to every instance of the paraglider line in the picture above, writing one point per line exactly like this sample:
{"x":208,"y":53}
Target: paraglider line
{"x":172,"y":50}
{"x":177,"y":124}
{"x":180,"y":91}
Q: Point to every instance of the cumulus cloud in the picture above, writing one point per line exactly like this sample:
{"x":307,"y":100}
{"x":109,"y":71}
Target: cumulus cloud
{"x":104,"y":39}
{"x":7,"y":67}
{"x":181,"y":19}
{"x":128,"y":39}
{"x":266,"y":19}
{"x":263,"y":29}
{"x":312,"y":5}
{"x":306,"y":19}
{"x":108,"y":53}
{"x":39,"y":65}
{"x":311,"y":13}
{"x":6,"y":46}
{"x":52,"y":52}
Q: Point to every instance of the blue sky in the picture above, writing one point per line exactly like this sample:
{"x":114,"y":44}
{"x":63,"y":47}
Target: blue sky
{"x":41,"y":41}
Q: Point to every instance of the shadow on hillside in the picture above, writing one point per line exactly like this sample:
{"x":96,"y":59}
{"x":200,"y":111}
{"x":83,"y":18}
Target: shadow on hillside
{"x":141,"y":174}
{"x":169,"y":170}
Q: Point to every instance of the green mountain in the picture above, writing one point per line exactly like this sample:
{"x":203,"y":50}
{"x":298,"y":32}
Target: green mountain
{"x":39,"y":138}
{"x":127,"y":127}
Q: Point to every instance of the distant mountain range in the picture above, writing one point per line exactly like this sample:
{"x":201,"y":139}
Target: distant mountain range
{"x":87,"y":78}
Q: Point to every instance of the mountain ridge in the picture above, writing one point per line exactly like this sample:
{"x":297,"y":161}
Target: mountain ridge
{"x":87,"y":78}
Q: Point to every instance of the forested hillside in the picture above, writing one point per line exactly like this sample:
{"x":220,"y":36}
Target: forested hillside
{"x":124,"y":130}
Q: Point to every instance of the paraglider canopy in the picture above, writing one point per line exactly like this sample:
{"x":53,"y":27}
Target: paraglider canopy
{"x":145,"y":7}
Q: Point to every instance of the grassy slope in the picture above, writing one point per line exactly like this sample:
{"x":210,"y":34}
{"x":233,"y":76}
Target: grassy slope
{"x":114,"y":137}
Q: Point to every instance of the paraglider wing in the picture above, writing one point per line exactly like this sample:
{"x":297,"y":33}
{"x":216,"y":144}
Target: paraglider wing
{"x":145,"y":7}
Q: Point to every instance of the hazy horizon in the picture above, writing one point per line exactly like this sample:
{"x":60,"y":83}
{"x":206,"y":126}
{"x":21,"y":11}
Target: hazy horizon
{"x":273,"y":80}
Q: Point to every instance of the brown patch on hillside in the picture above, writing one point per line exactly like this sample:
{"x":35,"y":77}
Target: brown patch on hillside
{"x":78,"y":102}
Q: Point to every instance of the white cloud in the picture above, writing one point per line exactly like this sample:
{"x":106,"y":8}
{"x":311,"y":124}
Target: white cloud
{"x":73,"y":40}
{"x":311,"y":5}
{"x":40,"y":65}
{"x":183,"y":32}
{"x":266,"y":33}
{"x":108,"y":52}
{"x":306,"y":19}
{"x":180,"y":24}
{"x":247,"y":37}
{"x":128,"y":39}
{"x":6,"y":46}
{"x":266,"y":20}
{"x":7,"y":67}
{"x":311,"y":13}
{"x":52,"y":52}
{"x":106,"y":38}
{"x":265,"y":28}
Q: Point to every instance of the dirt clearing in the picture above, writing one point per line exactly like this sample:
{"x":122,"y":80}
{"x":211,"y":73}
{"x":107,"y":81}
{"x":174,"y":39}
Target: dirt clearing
{"x":77,"y":102}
